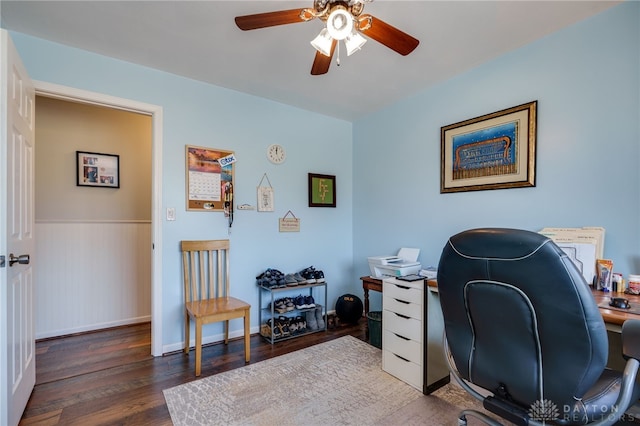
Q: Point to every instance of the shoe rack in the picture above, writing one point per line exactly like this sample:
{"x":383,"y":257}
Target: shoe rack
{"x":268,"y":315}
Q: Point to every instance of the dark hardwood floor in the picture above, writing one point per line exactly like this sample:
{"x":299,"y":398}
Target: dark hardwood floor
{"x":110,"y":378}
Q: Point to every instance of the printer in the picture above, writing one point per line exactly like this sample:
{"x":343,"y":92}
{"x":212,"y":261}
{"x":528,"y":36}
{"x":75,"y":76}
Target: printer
{"x":404,"y":263}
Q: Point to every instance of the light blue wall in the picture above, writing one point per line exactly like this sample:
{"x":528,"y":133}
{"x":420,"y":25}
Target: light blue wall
{"x":586,"y":80}
{"x":204,"y":115}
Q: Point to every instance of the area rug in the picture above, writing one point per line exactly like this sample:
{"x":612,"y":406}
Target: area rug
{"x":340,"y":382}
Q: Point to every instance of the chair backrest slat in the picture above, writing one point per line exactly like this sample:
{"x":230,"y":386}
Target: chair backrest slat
{"x":185,"y":275}
{"x":205,"y":269}
{"x":202,"y":278}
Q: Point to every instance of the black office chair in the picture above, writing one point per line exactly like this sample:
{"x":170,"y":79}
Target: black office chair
{"x":522,"y":326}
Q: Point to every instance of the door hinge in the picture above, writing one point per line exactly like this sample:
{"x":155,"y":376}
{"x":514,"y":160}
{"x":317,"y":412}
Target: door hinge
{"x":2,"y":261}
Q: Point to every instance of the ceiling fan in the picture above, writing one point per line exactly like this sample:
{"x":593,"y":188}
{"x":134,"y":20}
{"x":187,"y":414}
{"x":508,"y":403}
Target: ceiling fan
{"x":344,"y":21}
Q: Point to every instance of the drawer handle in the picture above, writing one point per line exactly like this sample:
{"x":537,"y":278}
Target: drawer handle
{"x":402,"y":358}
{"x":402,"y":316}
{"x":402,"y":287}
{"x":402,"y":337}
{"x":402,"y":301}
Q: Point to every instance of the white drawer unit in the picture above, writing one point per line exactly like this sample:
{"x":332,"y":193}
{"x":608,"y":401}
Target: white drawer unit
{"x":402,"y":348}
{"x":410,"y":327}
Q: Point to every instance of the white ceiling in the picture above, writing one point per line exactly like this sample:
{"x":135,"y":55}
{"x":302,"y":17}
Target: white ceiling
{"x":199,"y":40}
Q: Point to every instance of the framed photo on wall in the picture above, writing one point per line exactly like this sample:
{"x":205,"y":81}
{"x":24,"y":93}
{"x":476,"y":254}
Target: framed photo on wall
{"x":97,"y":169}
{"x":494,"y":151}
{"x":322,"y":190}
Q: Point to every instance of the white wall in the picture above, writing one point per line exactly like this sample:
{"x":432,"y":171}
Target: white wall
{"x":200,"y":114}
{"x":91,"y":275}
{"x":586,"y":79}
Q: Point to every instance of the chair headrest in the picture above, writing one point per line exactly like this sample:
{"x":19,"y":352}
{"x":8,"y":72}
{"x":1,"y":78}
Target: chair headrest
{"x":497,"y":243}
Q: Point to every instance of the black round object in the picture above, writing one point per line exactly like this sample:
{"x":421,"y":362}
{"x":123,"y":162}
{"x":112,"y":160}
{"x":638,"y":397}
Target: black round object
{"x":349,"y":308}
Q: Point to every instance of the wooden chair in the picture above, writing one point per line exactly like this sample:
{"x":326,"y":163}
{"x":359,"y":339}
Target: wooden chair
{"x":206,"y":289}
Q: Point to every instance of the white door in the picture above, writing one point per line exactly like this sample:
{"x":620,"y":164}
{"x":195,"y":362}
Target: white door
{"x":17,"y":340}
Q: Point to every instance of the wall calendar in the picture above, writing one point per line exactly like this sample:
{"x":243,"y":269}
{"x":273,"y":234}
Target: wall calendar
{"x":210,"y":174}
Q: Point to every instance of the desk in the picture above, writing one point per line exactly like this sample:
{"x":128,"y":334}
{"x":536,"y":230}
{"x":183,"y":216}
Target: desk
{"x":369,"y":283}
{"x":613,"y":318}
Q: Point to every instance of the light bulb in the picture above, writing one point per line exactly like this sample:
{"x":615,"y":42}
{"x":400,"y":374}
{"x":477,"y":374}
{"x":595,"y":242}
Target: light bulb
{"x":322,"y":42}
{"x":354,"y":42}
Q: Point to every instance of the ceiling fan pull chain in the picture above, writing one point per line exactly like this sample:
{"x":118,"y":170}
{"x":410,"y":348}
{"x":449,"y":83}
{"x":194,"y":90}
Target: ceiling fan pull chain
{"x":338,"y":55}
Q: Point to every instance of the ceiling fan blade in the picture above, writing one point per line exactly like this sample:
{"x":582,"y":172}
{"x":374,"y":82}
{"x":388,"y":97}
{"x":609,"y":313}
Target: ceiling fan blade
{"x":269,"y":19}
{"x":322,"y":62}
{"x":390,"y":36}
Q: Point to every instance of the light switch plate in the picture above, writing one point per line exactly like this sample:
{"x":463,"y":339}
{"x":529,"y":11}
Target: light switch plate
{"x":171,"y":213}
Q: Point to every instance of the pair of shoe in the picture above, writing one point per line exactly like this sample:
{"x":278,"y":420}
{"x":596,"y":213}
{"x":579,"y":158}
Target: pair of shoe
{"x":301,"y":323}
{"x":312,"y":275}
{"x":271,"y":328}
{"x":282,"y":305}
{"x":265,"y":329}
{"x":315,"y":319}
{"x":304,"y":302}
{"x":271,"y":278}
{"x":293,"y":280}
{"x":297,"y":325}
{"x":283,"y":324}
{"x":283,"y":327}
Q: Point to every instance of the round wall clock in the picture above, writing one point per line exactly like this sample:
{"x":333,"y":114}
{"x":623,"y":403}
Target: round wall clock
{"x":276,"y":153}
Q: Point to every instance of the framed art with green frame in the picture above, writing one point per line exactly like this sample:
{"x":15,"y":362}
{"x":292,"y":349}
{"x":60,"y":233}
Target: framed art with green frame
{"x":322,"y":190}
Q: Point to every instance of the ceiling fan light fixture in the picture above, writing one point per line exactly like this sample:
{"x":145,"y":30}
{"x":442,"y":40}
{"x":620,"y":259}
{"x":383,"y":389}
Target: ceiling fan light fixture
{"x":322,"y":42}
{"x":354,"y":42}
{"x":343,"y":21}
{"x":340,"y":24}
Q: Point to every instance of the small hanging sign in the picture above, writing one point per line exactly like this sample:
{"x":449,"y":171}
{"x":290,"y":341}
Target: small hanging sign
{"x":225,"y":161}
{"x":289,"y":224}
{"x":265,"y":196}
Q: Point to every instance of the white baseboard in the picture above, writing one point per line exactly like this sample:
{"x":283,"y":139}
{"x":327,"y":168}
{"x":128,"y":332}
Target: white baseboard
{"x":174,"y":347}
{"x":92,"y":327}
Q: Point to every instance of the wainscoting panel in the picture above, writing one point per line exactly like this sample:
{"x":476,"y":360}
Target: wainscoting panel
{"x":91,"y":275}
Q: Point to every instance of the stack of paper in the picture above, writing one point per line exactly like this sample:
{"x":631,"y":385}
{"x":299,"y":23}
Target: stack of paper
{"x":430,"y":273}
{"x":582,"y":245}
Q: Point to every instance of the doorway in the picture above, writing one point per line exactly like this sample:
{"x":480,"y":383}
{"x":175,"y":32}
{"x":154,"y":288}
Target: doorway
{"x":48,"y":90}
